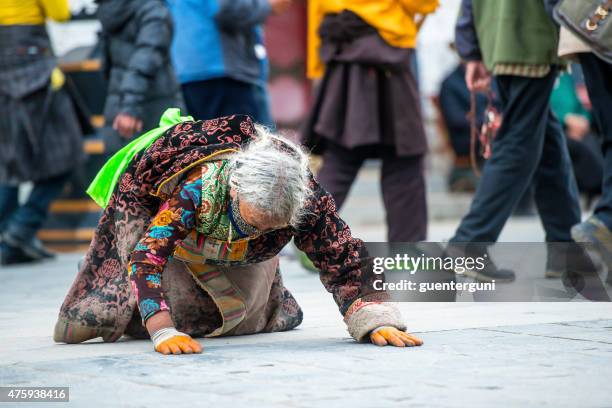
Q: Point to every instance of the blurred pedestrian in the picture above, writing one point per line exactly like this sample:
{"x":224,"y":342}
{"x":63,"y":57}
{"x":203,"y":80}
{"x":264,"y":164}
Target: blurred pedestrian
{"x":454,"y":106}
{"x":597,"y":72}
{"x":40,"y":137}
{"x":136,"y":38}
{"x":220,"y":58}
{"x":516,"y":42}
{"x":368,"y":103}
{"x":582,"y":141}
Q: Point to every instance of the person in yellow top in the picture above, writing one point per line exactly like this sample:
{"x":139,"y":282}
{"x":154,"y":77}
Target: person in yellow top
{"x":397,"y":22}
{"x":367,"y":104}
{"x":33,"y":12}
{"x":40,"y":138}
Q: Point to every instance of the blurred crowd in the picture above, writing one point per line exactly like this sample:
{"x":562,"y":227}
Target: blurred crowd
{"x":525,"y":113}
{"x":204,"y":56}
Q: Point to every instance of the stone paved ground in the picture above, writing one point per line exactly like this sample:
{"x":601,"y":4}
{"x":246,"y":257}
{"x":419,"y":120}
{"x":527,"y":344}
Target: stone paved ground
{"x":475,"y":354}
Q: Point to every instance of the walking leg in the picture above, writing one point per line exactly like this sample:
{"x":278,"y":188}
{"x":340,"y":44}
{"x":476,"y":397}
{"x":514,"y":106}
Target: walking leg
{"x":340,"y":167}
{"x":404,"y":195}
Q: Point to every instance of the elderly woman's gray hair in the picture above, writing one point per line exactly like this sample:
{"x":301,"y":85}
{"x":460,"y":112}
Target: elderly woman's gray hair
{"x":271,"y":174}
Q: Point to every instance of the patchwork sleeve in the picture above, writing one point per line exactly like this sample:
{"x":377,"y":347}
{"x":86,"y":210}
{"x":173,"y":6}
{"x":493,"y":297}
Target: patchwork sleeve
{"x":341,"y":260}
{"x":173,"y":222}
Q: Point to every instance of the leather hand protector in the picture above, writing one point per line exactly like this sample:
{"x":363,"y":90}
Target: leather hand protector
{"x":171,"y":341}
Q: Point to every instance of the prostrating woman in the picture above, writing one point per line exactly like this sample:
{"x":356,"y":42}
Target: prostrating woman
{"x":188,"y":243}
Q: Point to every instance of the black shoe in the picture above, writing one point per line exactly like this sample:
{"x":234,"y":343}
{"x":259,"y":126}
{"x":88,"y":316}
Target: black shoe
{"x":32,"y":248}
{"x":489,"y":273}
{"x":12,"y":256}
{"x":555,"y":263}
{"x":569,"y":258}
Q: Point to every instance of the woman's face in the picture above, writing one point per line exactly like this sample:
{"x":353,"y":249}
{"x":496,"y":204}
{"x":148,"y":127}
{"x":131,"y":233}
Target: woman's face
{"x":257,"y":218}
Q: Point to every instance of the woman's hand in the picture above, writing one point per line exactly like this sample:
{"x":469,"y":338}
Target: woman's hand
{"x":388,"y":335}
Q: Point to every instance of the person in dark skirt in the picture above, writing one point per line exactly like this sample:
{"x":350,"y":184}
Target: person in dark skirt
{"x":368,"y":104}
{"x":40,"y":137}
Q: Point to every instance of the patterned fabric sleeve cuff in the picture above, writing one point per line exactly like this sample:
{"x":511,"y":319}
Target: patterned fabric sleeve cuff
{"x":149,"y":307}
{"x":363,"y":317}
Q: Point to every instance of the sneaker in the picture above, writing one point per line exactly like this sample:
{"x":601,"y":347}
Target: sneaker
{"x":33,"y":248}
{"x":489,"y":273}
{"x":594,"y":231}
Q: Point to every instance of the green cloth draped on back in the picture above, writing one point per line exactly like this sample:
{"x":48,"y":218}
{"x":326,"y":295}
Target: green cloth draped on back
{"x":102,"y":187}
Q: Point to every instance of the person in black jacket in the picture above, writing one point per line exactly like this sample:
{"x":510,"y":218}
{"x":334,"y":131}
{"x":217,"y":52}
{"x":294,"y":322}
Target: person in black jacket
{"x":136,"y":38}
